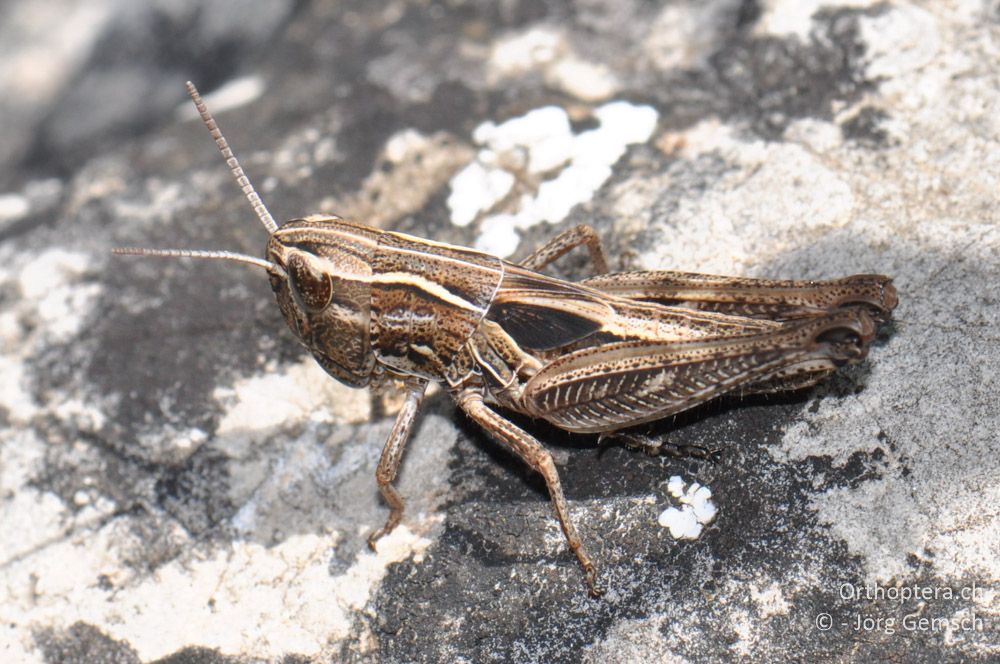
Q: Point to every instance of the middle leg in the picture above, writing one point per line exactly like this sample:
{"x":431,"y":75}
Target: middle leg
{"x":565,"y":242}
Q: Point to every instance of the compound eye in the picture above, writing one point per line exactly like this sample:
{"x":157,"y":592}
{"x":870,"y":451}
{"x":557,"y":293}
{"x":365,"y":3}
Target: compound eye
{"x":311,"y":288}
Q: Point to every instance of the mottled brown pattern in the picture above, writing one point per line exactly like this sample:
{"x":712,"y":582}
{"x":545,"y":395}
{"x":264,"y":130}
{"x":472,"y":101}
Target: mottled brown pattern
{"x":470,"y":275}
{"x":427,"y":301}
{"x":499,"y":359}
{"x":316,"y":252}
{"x":611,"y":352}
{"x":770,"y":299}
{"x":570,"y":312}
{"x":620,"y":385}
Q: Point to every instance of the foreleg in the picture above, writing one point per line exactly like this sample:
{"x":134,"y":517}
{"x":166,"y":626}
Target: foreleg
{"x":392,"y":453}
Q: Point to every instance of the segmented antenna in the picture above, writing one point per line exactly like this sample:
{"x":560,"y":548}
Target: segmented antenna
{"x":195,"y":253}
{"x":234,"y":165}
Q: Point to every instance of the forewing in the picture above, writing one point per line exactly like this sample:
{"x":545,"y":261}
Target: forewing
{"x":769,"y":299}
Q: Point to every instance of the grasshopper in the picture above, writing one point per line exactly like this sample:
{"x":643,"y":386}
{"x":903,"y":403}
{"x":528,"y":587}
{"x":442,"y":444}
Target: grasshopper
{"x":597,"y":356}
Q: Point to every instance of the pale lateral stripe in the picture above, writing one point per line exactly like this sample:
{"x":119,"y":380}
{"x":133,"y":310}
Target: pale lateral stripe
{"x":420,"y":282}
{"x":426,"y":285}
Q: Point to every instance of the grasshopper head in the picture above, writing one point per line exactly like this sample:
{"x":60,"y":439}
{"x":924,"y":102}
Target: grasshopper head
{"x":323,"y":287}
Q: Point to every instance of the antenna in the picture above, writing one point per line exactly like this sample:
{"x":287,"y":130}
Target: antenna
{"x":195,"y":253}
{"x":244,"y":183}
{"x":234,"y":165}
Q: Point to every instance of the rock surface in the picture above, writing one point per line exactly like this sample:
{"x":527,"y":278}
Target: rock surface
{"x":179,"y":482}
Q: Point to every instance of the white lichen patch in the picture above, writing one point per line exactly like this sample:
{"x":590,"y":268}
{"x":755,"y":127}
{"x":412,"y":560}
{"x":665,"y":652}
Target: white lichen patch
{"x":49,"y":270}
{"x":14,"y":396}
{"x":521,"y":52}
{"x":740,"y":222}
{"x":498,"y":236}
{"x":160,"y":202}
{"x":295,"y":393}
{"x":681,"y":522}
{"x":270,"y":592}
{"x":770,"y":600}
{"x":543,"y":135}
{"x":13,"y":206}
{"x":902,"y":40}
{"x":784,"y":18}
{"x":541,"y":147}
{"x":585,"y":80}
{"x":269,"y":600}
{"x":53,"y":305}
{"x":546,"y":50}
{"x":685,"y":35}
{"x":50,"y":282}
{"x":404,"y":145}
{"x":695,"y":512}
{"x":34,"y":516}
{"x":476,"y":188}
{"x":412,"y":168}
{"x":632,"y":641}
{"x":744,"y":627}
{"x":36,"y":196}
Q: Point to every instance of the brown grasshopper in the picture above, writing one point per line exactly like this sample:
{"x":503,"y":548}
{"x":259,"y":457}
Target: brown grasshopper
{"x":596,"y":356}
